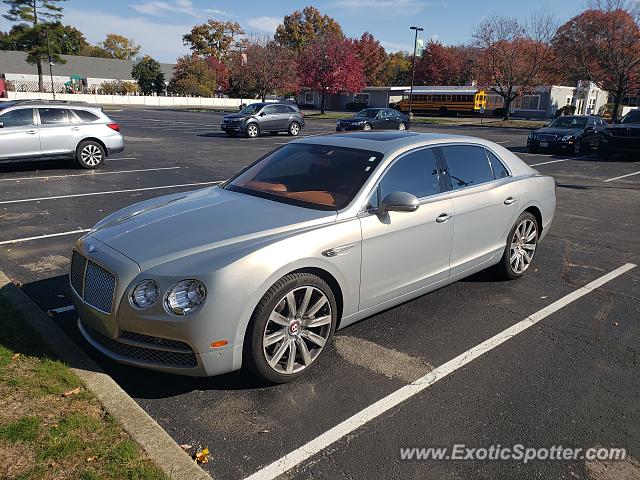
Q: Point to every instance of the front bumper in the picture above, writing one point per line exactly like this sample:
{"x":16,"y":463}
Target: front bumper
{"x":232,"y":127}
{"x":346,"y":127}
{"x":553,"y":145}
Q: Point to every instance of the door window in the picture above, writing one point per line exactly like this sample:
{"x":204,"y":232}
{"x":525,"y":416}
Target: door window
{"x":53,"y":116}
{"x":415,"y":173}
{"x":85,"y":116}
{"x":17,"y":118}
{"x":283,"y":109}
{"x":270,"y":110}
{"x":467,"y":165}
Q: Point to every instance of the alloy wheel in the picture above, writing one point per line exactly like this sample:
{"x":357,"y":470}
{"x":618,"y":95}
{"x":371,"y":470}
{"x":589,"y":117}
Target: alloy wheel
{"x":91,"y":155}
{"x":294,"y":129}
{"x":366,"y":127}
{"x":523,"y":246}
{"x":402,"y":126}
{"x":297,"y":330}
{"x":252,"y":130}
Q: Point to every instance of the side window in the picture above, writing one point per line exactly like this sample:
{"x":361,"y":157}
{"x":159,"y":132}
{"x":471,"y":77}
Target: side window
{"x":591,"y":122}
{"x":499,"y":170}
{"x":270,"y":110}
{"x":416,"y":173}
{"x":467,"y":165}
{"x":53,"y":116}
{"x":291,"y":110}
{"x":86,"y":116}
{"x":17,"y":118}
{"x":282,"y":109}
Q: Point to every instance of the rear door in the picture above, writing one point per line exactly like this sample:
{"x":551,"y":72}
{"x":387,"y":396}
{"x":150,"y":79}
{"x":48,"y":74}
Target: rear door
{"x":392,"y":119}
{"x":58,"y":135}
{"x":283,"y":113}
{"x":19,"y":134}
{"x":485,"y":202}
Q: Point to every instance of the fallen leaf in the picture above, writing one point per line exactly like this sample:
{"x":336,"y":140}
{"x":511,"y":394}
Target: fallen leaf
{"x":264,"y":431}
{"x":202,"y":456}
{"x":91,"y":459}
{"x":186,"y":446}
{"x":72,"y":392}
{"x":15,"y":357}
{"x":615,"y":323}
{"x":50,"y":313}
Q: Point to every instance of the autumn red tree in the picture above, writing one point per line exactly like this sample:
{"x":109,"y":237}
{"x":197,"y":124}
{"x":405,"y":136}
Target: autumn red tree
{"x":328,"y":65}
{"x":514,"y":58}
{"x":442,"y":65}
{"x":603,"y":46}
{"x":201,"y":77}
{"x":373,"y":58}
{"x":262,"y":69}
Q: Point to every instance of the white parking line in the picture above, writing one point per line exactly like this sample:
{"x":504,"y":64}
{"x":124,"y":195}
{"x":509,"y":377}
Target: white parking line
{"x":109,"y":159}
{"x":58,"y":197}
{"x":621,"y":176}
{"x":552,"y":161}
{"x":48,"y":235}
{"x":392,"y":400}
{"x":88,"y":174}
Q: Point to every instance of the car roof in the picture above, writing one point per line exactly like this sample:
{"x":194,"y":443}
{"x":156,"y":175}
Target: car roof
{"x":48,"y":103}
{"x":386,"y":142}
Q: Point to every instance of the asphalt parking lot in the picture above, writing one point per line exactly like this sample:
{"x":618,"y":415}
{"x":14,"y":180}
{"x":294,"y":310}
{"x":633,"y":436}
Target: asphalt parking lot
{"x":572,"y":379}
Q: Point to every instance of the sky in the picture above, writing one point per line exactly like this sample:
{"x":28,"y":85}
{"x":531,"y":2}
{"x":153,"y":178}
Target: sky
{"x":158,"y":25}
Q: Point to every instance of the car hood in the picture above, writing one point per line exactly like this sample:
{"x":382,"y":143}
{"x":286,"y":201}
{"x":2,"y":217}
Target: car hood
{"x":623,"y":126}
{"x":236,"y":116}
{"x":559,"y":131}
{"x":171,"y":227}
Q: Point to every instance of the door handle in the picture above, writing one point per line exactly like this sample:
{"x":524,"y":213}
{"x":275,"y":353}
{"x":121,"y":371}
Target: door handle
{"x":510,"y":200}
{"x":30,"y":132}
{"x":443,"y":217}
{"x":75,"y":129}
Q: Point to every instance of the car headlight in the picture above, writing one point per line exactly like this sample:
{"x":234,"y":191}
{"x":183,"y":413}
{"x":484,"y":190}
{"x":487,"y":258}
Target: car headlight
{"x":360,"y":122}
{"x":532,"y":135}
{"x":145,"y":294}
{"x":185,"y":297}
{"x":567,"y":138}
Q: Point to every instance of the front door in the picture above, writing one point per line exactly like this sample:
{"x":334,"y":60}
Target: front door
{"x":58,"y":136}
{"x":404,"y":251}
{"x":269,"y":119}
{"x":484,"y":203}
{"x":19,"y":135}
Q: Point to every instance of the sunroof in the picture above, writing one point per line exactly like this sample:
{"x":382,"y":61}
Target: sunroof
{"x":379,"y":136}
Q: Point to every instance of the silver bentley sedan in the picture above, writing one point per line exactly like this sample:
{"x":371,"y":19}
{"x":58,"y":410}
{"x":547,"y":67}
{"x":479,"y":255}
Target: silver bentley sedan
{"x":260,"y":271}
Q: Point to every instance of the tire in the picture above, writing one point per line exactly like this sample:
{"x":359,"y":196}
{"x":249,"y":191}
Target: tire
{"x":402,"y":126}
{"x":90,"y":154}
{"x":366,"y":127}
{"x":577,"y":146}
{"x":532,"y":149}
{"x":508,"y":268}
{"x":294,"y":129}
{"x":252,"y":130}
{"x":289,"y":332}
{"x":231,"y":134}
{"x":443,"y":111}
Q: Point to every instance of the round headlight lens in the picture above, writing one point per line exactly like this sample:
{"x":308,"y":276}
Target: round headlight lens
{"x":145,"y":294}
{"x":186,"y":296}
{"x":566,"y":138}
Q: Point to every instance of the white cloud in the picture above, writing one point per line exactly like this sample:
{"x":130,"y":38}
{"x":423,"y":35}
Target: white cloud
{"x":392,"y":7}
{"x":162,"y":41}
{"x":265,"y":24}
{"x":393,"y":47}
{"x":159,"y":8}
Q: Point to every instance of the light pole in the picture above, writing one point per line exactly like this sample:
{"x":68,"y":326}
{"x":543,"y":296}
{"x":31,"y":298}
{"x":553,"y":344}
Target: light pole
{"x":53,"y":91}
{"x":413,"y":69}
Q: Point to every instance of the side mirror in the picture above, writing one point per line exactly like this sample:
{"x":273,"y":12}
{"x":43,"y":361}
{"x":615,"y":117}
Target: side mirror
{"x":262,"y":114}
{"x":1,"y":125}
{"x":399,"y":202}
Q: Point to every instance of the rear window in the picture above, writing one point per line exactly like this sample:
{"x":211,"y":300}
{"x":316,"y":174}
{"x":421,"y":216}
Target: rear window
{"x":86,"y":116}
{"x":467,"y":165}
{"x":323,"y":177}
{"x":499,"y":170}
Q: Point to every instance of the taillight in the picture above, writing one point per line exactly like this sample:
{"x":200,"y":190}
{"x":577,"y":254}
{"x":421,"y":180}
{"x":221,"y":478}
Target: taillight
{"x":114,"y":126}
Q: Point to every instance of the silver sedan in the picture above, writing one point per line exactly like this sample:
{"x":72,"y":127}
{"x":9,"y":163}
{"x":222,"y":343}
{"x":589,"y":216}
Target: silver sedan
{"x":260,"y":271}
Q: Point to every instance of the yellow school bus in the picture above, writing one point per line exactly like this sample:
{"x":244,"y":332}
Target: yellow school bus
{"x":445,"y":100}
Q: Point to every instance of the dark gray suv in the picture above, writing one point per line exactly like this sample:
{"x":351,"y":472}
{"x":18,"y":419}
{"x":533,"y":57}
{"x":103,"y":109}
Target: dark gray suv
{"x":264,"y":117}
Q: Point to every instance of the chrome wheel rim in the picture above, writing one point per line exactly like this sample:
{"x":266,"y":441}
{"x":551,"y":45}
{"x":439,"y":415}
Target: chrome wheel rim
{"x":367,"y":126}
{"x":91,"y":155}
{"x":295,"y":129}
{"x":523,"y":246}
{"x":402,"y":126}
{"x":252,"y":130}
{"x":297,"y":330}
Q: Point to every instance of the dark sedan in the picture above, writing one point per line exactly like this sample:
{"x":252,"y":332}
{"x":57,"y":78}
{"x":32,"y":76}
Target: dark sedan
{"x":571,"y":133}
{"x":264,"y":117}
{"x":623,"y":137}
{"x":374,"y":119}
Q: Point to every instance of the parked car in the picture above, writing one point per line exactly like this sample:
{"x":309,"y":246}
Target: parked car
{"x":374,"y":119}
{"x":264,"y":117}
{"x":41,"y":130}
{"x":623,"y":137}
{"x":320,"y":233}
{"x":571,"y":133}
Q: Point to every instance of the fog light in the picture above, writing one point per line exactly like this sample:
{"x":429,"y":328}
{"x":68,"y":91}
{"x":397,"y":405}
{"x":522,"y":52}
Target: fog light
{"x":144,"y":294}
{"x":186,"y":297}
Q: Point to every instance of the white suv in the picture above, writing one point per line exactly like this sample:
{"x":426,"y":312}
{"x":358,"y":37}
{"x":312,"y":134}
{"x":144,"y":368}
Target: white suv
{"x":40,"y":130}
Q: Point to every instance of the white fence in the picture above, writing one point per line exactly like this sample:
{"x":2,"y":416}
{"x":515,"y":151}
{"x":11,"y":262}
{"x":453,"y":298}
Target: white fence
{"x":132,"y":100}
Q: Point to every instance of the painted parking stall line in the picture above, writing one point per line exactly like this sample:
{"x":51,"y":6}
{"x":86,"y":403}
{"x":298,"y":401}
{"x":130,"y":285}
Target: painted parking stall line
{"x":394,"y":399}
{"x":621,"y":176}
{"x":48,"y":177}
{"x":109,"y":192}
{"x":551,"y":161}
{"x":40,"y":237}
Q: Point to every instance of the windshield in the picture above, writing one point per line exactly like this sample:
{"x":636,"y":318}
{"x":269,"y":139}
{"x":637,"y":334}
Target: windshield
{"x":631,"y":117}
{"x":251,"y":109}
{"x":323,"y":177}
{"x":569,"y":122}
{"x":367,"y":113}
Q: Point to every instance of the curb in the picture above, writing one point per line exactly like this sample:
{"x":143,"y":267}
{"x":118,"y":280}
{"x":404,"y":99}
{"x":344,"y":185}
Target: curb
{"x":156,"y":443}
